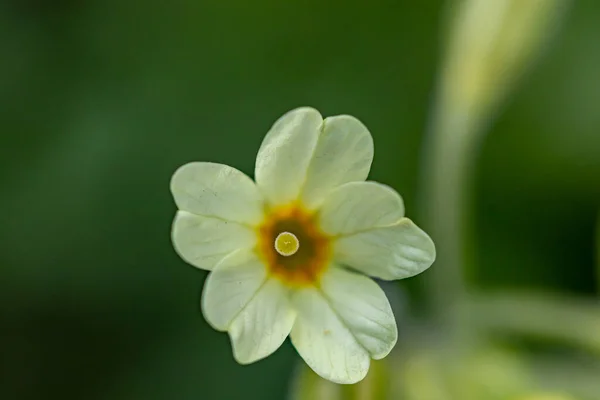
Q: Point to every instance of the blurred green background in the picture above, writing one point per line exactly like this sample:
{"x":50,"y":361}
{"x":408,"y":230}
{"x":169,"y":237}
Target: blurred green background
{"x":100,"y":102}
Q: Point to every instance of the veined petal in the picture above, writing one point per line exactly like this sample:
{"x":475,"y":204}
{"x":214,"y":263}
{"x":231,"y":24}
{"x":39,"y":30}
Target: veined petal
{"x":285,"y":154}
{"x":342,"y":325}
{"x":344,"y":153}
{"x":393,"y":252}
{"x":304,"y":156}
{"x":323,"y":341}
{"x":363,"y":307}
{"x":262,"y":326}
{"x":204,"y":241}
{"x":217,"y":190}
{"x":358,"y":206}
{"x":231,"y":286}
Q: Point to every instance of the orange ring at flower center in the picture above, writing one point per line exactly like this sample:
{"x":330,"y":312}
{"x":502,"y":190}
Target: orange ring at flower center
{"x":303,"y":267}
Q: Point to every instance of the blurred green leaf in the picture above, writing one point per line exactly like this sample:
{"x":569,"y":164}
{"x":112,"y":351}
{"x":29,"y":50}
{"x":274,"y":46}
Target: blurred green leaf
{"x":572,"y":321}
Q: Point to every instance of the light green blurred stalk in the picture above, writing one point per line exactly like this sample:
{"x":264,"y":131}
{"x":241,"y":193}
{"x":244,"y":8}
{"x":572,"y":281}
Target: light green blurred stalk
{"x":490,"y":43}
{"x":597,"y":255}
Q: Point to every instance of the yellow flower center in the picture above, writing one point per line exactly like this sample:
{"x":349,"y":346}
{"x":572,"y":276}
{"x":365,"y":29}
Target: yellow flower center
{"x":292,"y":246}
{"x":286,"y":244}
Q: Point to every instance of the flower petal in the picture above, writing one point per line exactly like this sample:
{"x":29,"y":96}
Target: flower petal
{"x":305,"y":156}
{"x":363,"y":307}
{"x":342,"y":325}
{"x":323,"y":341}
{"x":285,"y":154}
{"x":262,"y":326}
{"x":204,"y":241}
{"x":217,"y":190}
{"x":229,"y":288}
{"x":394,"y":252}
{"x":344,"y":153}
{"x":358,"y":206}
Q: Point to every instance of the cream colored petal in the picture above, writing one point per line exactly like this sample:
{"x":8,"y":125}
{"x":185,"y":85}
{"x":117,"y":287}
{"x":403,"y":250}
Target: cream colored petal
{"x":204,"y":241}
{"x":262,"y":326}
{"x":395,"y":252}
{"x":364,"y":309}
{"x":324,"y":342}
{"x":342,"y":325}
{"x":344,"y":153}
{"x":231,"y":286}
{"x":358,"y":206}
{"x":216,"y":190}
{"x":285,"y":154}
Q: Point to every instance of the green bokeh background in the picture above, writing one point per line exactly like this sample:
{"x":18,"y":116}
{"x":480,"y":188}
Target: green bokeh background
{"x":100,"y":102}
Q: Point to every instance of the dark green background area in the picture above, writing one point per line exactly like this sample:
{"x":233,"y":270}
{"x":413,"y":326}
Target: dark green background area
{"x":100,"y":102}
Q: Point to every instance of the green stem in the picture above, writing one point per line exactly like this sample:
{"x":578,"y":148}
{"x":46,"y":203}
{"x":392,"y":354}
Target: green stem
{"x":488,"y":49}
{"x":447,"y":167}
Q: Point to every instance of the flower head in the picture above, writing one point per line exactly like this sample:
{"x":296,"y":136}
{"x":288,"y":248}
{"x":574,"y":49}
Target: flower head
{"x":289,"y":254}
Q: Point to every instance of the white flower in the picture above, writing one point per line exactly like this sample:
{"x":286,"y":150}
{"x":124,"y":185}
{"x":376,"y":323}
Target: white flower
{"x":289,"y":254}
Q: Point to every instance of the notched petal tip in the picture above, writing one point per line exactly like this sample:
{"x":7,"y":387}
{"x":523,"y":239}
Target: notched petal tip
{"x":343,"y":154}
{"x":263,"y":325}
{"x":343,"y":325}
{"x":285,"y":154}
{"x":299,"y":115}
